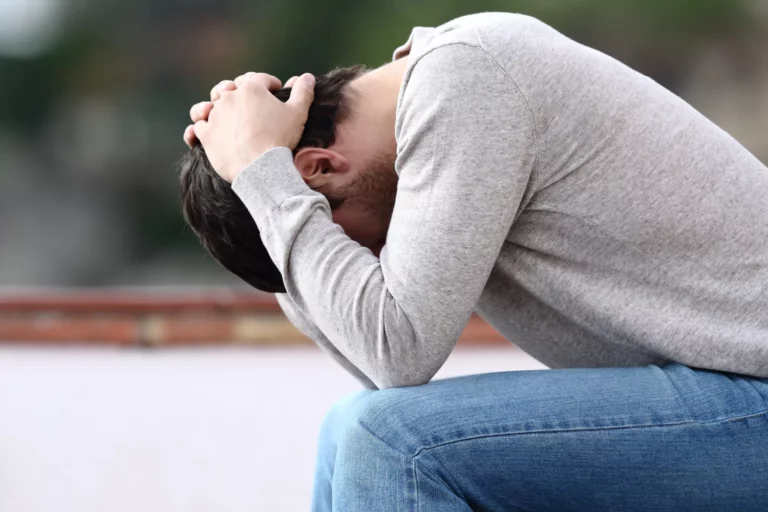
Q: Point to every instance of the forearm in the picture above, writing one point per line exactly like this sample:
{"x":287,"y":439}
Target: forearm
{"x":379,"y":325}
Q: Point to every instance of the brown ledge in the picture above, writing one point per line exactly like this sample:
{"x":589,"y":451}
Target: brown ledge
{"x":85,"y":301}
{"x":162,"y":318}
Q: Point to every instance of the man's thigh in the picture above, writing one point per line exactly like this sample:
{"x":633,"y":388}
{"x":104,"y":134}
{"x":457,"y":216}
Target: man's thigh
{"x":649,"y":438}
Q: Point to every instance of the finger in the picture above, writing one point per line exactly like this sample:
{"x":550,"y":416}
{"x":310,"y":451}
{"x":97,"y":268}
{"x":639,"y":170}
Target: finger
{"x":224,"y":85}
{"x":303,"y":92}
{"x":269,"y":82}
{"x":291,"y":81}
{"x":201,"y":131}
{"x":189,"y":136}
{"x":200,"y":111}
{"x":239,"y":80}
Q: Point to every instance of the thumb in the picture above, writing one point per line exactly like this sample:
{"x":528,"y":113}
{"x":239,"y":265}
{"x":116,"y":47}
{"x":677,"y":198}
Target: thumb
{"x":303,"y":92}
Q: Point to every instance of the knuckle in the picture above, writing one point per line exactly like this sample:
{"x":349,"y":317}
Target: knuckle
{"x":264,"y":78}
{"x":250,"y":85}
{"x":244,"y":79}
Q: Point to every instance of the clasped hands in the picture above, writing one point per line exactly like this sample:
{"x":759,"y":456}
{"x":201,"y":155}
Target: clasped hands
{"x":244,"y":120}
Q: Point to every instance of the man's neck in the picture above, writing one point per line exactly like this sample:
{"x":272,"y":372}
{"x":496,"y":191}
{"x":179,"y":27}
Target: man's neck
{"x":384,"y":81}
{"x":373,"y":102}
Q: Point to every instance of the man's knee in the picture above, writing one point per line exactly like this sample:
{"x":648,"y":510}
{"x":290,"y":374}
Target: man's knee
{"x":338,"y":414}
{"x":390,"y":416}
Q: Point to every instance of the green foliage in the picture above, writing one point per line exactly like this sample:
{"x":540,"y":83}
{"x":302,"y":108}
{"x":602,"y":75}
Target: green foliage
{"x":288,"y":37}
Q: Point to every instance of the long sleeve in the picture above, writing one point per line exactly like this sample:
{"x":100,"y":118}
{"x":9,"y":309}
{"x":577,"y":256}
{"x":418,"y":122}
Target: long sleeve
{"x":310,"y":330}
{"x":466,"y":154}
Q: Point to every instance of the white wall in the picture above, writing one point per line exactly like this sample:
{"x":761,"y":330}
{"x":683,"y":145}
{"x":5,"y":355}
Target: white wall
{"x":95,"y":430}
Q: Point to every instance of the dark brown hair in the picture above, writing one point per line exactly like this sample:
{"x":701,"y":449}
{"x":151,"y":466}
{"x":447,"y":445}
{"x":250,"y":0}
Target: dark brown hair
{"x":216,"y":214}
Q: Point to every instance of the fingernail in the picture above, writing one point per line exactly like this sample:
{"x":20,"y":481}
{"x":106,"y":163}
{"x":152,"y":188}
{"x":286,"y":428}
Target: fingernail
{"x":310,"y":79}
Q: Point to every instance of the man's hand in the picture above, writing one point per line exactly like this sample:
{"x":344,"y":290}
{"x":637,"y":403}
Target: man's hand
{"x":248,"y":120}
{"x":200,"y":111}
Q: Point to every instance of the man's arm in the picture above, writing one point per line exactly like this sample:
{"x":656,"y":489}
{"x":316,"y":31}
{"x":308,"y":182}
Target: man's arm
{"x":310,"y":330}
{"x":466,"y":152}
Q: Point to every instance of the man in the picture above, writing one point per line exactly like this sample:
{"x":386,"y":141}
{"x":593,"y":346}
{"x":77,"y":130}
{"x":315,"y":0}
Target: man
{"x":592,"y":217}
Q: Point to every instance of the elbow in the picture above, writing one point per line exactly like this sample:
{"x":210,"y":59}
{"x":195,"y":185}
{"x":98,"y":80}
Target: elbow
{"x":402,"y":381}
{"x":411,"y":358}
{"x":405,"y":376}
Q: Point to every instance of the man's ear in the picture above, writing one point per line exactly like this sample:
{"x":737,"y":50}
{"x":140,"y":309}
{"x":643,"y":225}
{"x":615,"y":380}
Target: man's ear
{"x":318,"y":165}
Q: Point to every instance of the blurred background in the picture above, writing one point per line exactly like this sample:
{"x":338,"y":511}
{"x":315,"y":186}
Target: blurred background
{"x":188,"y":394}
{"x":95,"y":97}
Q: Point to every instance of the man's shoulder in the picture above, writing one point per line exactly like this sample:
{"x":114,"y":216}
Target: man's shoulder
{"x":452,"y":78}
{"x":472,"y":28}
{"x":495,"y":33}
{"x":459,"y":60}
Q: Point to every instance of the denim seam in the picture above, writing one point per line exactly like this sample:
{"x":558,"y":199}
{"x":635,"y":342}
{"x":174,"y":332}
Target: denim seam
{"x":415,"y":505}
{"x":412,"y":492}
{"x":365,"y":427}
{"x":420,"y":452}
{"x":594,"y":429}
{"x":736,"y":418}
{"x":556,"y":431}
{"x":415,"y":493}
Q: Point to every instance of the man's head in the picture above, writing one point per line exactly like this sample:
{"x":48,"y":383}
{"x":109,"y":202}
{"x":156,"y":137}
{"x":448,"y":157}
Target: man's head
{"x":346,"y":152}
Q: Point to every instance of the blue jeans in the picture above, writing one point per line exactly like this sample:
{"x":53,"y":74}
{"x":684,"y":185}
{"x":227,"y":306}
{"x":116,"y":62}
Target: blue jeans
{"x":651,"y":438}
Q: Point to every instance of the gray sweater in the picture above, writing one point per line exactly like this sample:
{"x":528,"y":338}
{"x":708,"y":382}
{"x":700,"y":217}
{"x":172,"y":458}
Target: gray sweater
{"x":588,"y":214}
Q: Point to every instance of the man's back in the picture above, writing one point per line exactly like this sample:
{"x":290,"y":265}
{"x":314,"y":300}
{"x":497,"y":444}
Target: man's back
{"x":642,"y":235}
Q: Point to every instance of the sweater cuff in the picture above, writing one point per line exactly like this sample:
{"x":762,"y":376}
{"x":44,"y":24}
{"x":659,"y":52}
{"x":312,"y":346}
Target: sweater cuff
{"x":268,"y":181}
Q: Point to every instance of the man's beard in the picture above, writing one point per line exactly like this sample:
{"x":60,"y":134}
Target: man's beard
{"x":373,"y":190}
{"x":376,"y":188}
